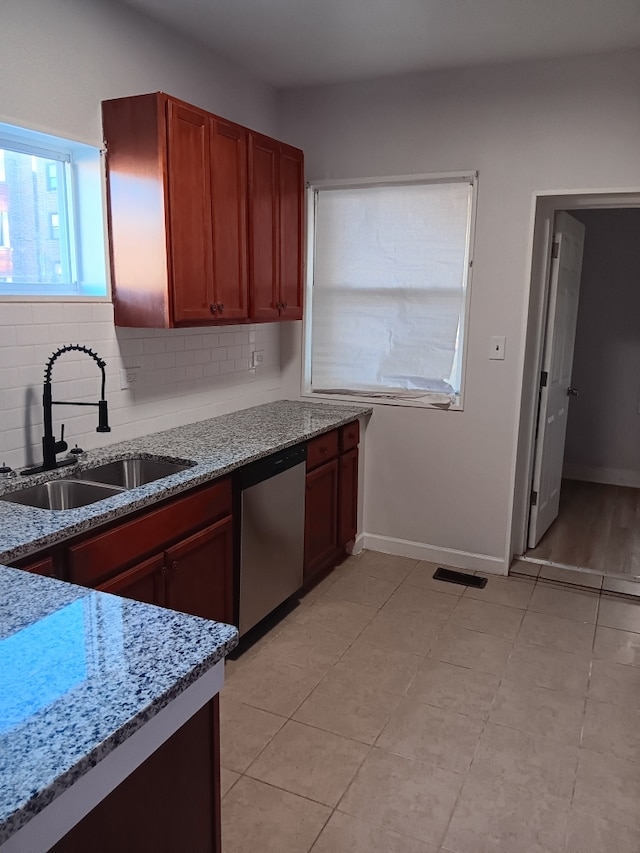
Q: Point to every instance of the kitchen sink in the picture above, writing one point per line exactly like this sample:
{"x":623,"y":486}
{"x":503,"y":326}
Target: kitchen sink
{"x":95,"y":484}
{"x":62,"y":494}
{"x":129,"y":473}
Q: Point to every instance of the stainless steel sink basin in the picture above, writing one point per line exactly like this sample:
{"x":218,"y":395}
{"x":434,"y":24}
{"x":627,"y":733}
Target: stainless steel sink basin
{"x":129,"y":473}
{"x":61,"y":494}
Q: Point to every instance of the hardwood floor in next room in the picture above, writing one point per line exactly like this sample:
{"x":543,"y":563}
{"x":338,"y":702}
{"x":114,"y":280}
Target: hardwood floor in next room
{"x":598,"y":528}
{"x":391,"y":713}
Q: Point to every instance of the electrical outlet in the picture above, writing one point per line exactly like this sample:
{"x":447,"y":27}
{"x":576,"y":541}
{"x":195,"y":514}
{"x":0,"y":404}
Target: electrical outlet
{"x":257,"y":358}
{"x":129,"y":376}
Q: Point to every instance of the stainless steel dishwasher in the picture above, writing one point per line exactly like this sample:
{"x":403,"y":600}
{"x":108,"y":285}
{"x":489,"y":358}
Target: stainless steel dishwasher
{"x":272,"y":494}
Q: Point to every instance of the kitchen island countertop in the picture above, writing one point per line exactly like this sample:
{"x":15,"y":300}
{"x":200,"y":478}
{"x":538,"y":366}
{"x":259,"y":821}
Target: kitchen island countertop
{"x":80,"y":673}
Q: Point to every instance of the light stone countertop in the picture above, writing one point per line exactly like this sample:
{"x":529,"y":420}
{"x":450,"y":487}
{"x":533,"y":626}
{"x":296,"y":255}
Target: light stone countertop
{"x":80,"y":672}
{"x":217,"y":446}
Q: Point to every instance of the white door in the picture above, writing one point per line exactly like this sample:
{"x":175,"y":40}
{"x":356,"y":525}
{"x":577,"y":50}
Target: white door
{"x":557,"y":361}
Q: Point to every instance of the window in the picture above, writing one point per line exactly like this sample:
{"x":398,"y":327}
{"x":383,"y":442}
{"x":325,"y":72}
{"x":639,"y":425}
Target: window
{"x":388,"y":278}
{"x":52,"y":177}
{"x":51,"y":216}
{"x":54,"y":226}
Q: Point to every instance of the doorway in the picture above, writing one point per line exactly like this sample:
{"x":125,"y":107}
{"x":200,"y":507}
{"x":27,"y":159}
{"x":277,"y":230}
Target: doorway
{"x":595,"y":527}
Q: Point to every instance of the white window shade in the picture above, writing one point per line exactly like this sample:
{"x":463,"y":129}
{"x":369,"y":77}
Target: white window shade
{"x":389,"y":289}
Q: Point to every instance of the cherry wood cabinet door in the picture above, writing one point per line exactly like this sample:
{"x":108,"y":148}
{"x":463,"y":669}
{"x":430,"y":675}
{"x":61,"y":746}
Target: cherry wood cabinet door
{"x":263,"y":227}
{"x":228,"y":144}
{"x":276,"y":223}
{"x":200,"y":573}
{"x":291,"y":231}
{"x":170,"y":803}
{"x":144,"y":582}
{"x":44,"y":566}
{"x":321,"y":519}
{"x":348,"y":497}
{"x":135,"y":136}
{"x":189,"y":213}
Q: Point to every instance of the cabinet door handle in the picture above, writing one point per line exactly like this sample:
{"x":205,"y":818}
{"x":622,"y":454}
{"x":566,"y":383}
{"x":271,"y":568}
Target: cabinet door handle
{"x":279,"y":306}
{"x":213,"y":308}
{"x":220,"y":307}
{"x":284,"y":306}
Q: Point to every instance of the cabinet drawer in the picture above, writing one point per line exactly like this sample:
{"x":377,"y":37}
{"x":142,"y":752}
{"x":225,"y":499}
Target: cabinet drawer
{"x":117,"y":548}
{"x":321,"y":449}
{"x":44,"y":566}
{"x":349,"y":436}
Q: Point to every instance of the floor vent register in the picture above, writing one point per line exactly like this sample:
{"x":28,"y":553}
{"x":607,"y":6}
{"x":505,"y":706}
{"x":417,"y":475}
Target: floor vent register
{"x":463,"y":578}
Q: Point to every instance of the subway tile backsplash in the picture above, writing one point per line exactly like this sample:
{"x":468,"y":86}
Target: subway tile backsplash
{"x":184,"y":374}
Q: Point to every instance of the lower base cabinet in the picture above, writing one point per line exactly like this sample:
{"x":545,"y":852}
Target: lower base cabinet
{"x":193,"y":576}
{"x":170,"y":803}
{"x":198,"y":573}
{"x":347,"y":497}
{"x":191,"y":569}
{"x":321,"y":519}
{"x":331,"y":508}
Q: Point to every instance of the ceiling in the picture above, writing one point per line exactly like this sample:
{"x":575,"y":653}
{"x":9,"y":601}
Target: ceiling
{"x":299,"y":42}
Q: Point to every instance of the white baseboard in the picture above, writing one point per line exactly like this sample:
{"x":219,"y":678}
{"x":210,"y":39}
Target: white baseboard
{"x":607,"y":476}
{"x":356,"y":546}
{"x":447,"y":556}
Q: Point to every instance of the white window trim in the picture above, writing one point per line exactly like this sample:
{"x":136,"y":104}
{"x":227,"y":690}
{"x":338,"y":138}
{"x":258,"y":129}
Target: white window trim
{"x":425,"y":401}
{"x":19,"y":139}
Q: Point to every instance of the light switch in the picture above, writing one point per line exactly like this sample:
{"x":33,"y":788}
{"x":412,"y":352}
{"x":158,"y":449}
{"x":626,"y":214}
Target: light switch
{"x":496,"y":347}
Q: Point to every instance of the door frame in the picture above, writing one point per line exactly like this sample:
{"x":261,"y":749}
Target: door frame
{"x":544,"y":207}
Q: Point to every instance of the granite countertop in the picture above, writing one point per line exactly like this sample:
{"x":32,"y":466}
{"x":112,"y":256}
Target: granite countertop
{"x":217,"y":446}
{"x":80,"y":672}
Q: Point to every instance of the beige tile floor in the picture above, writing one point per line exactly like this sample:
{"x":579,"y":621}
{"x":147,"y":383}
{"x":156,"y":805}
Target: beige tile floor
{"x":391,"y":713}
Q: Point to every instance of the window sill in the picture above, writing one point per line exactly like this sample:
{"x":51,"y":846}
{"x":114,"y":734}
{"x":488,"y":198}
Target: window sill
{"x":62,"y":297}
{"x":384,"y":401}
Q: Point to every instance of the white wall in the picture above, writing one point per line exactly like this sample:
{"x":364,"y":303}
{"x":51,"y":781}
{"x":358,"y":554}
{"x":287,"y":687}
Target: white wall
{"x":60,"y":59}
{"x":603,"y":434}
{"x":444,"y":480}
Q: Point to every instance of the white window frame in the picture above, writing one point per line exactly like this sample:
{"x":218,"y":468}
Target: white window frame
{"x":414,"y":402}
{"x":63,"y":152}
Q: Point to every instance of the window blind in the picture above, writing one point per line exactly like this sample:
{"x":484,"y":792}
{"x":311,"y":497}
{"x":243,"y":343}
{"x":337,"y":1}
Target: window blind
{"x":389,"y":280}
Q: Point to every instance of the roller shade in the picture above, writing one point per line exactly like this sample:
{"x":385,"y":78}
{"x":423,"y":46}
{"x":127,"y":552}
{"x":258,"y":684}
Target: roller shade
{"x":389,"y":281}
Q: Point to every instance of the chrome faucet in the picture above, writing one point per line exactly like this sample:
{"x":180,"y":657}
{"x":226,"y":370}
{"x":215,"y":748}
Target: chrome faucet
{"x":50,"y":445}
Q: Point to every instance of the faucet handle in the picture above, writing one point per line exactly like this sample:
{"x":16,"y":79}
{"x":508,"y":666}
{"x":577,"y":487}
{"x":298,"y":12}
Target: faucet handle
{"x":6,"y":471}
{"x":60,"y":446}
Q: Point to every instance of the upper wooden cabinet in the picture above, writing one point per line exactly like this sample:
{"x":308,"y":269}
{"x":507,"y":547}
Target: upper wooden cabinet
{"x":190,"y":237}
{"x":276,"y":226}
